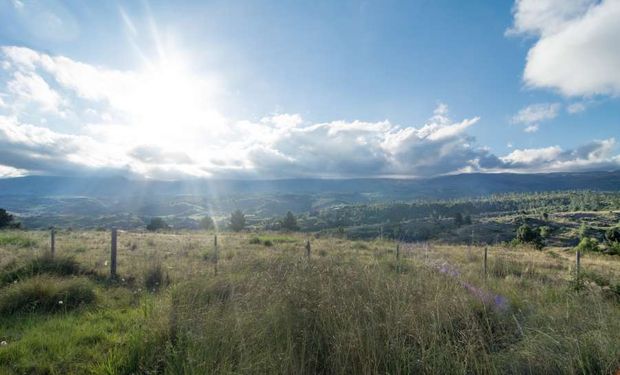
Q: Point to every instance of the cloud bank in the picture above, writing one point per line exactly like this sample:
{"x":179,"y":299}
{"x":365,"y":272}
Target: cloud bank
{"x":577,"y":51}
{"x":61,"y":116}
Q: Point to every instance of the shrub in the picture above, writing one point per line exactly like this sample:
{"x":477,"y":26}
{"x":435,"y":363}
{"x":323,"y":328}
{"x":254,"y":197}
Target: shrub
{"x":526,"y":235}
{"x":45,"y":294}
{"x":545,"y":231}
{"x":155,"y":277}
{"x":612,"y":235}
{"x":268,"y":243}
{"x":588,"y":244}
{"x":157,"y":223}
{"x":255,"y":241}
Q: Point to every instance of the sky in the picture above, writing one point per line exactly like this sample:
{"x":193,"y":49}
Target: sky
{"x":295,"y":89}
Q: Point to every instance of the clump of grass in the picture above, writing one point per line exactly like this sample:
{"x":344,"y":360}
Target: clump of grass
{"x":268,"y":241}
{"x":10,"y":239}
{"x":501,"y":267}
{"x":46,"y":294}
{"x":59,"y":266}
{"x":155,"y":277}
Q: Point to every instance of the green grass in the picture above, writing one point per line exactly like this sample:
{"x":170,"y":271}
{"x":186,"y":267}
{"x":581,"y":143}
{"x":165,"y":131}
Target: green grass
{"x":16,"y":240}
{"x":60,"y":266}
{"x":44,"y":294}
{"x":350,"y":308}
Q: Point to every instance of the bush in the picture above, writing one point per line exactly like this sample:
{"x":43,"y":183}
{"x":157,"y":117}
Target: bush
{"x":255,"y":241}
{"x":157,"y":223}
{"x":527,"y":235}
{"x":45,"y":294}
{"x":545,"y":232}
{"x":59,"y":266}
{"x":588,"y":244}
{"x":155,"y":277}
{"x":268,"y":243}
{"x":612,"y":235}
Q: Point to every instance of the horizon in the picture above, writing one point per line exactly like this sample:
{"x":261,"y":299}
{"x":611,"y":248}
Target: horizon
{"x":209,"y":179}
{"x":271,"y":90}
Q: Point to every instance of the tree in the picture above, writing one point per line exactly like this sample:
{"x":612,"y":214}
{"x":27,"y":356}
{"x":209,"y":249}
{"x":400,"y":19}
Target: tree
{"x":157,"y":223}
{"x":7,"y":220}
{"x":612,"y":235}
{"x":289,"y":222}
{"x":237,"y":221}
{"x":527,"y":235}
{"x":207,"y":223}
{"x":458,"y":219}
{"x":588,"y":244}
{"x":583,"y":231}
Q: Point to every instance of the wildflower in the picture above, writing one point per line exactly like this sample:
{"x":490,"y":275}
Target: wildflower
{"x":105,"y":263}
{"x":60,"y":302}
{"x":3,"y":343}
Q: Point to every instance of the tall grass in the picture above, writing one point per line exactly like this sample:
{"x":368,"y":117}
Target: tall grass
{"x":45,"y":294}
{"x":351,"y":308}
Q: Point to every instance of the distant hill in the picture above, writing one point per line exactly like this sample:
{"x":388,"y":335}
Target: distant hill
{"x":40,"y":201}
{"x":454,"y":186}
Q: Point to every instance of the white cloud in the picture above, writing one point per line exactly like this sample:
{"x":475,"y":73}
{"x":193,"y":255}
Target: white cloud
{"x":576,"y":107}
{"x":531,"y":128}
{"x":6,"y":172}
{"x":30,"y":87}
{"x":532,"y":115}
{"x":578,"y":46}
{"x":161,"y":122}
{"x":596,"y":155}
{"x":530,"y":156}
{"x":536,"y":113}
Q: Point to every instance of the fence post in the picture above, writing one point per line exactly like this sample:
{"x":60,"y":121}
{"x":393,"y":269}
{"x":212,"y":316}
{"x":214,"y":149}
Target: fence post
{"x":398,"y":251}
{"x":308,"y":248}
{"x":485,"y":262}
{"x":578,"y":263}
{"x":216,"y":254}
{"x":52,"y":242}
{"x":113,"y":254}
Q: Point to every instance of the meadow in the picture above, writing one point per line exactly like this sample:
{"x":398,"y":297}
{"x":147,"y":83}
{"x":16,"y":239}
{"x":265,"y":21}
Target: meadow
{"x":260,"y":305}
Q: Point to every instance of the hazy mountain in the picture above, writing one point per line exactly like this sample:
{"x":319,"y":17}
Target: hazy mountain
{"x":463,"y":185}
{"x":91,"y":201}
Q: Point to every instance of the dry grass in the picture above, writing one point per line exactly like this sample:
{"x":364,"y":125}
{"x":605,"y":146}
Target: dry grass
{"x":351,"y":308}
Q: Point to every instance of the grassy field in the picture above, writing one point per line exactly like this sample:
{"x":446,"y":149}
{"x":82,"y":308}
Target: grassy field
{"x":352,"y":308}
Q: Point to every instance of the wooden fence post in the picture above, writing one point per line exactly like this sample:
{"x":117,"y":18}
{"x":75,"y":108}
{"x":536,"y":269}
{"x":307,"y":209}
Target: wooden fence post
{"x":485,"y":262}
{"x":52,"y":242}
{"x":578,"y":264}
{"x":113,"y":254}
{"x":398,"y":251}
{"x":216,"y":254}
{"x":308,"y":248}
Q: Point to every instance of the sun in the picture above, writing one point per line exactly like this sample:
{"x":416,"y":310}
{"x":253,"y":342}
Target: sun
{"x":173,"y":107}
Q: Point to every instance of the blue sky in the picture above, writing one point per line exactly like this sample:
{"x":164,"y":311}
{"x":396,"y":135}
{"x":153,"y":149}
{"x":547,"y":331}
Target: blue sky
{"x":270,"y":89}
